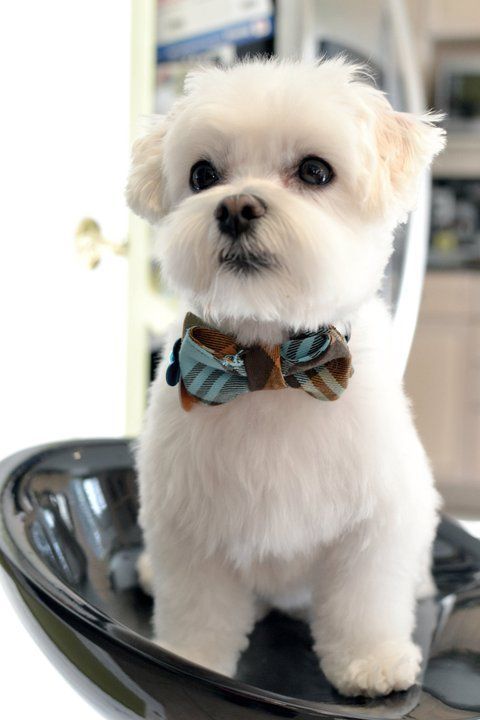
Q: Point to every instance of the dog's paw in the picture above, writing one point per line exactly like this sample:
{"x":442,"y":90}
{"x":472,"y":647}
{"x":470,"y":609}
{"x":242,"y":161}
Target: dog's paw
{"x":390,"y":666}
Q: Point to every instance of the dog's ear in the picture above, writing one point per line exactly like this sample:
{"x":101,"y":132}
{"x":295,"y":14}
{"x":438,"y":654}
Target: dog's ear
{"x":145,"y":190}
{"x":398,"y":147}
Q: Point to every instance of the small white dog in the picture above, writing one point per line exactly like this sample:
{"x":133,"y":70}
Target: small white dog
{"x":279,"y":185}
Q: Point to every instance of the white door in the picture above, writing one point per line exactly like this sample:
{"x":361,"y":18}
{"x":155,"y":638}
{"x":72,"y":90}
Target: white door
{"x":64,"y":146}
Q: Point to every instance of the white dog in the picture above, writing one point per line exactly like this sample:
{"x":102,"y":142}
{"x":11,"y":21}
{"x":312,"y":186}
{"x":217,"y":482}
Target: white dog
{"x":279,"y":185}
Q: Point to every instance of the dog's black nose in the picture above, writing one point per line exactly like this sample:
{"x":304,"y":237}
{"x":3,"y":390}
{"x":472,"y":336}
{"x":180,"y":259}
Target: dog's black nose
{"x":235,"y":213}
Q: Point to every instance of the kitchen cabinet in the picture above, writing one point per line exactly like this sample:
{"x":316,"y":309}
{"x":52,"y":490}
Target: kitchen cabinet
{"x":452,"y":19}
{"x":443,"y":381}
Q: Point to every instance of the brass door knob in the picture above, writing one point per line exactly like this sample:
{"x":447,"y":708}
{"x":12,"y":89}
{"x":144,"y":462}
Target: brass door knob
{"x":90,"y":244}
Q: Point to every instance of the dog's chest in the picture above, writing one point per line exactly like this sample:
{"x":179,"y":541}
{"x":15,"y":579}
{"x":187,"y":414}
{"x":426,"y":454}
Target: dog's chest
{"x":271,"y":474}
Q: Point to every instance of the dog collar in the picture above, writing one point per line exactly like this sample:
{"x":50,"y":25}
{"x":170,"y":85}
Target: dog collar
{"x":212,"y":368}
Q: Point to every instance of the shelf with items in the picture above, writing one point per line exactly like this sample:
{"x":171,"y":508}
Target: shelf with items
{"x":455,"y":91}
{"x":191,"y":33}
{"x":455,"y":224}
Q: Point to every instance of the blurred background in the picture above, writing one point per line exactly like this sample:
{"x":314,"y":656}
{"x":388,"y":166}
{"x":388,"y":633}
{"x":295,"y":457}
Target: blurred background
{"x":82,"y":305}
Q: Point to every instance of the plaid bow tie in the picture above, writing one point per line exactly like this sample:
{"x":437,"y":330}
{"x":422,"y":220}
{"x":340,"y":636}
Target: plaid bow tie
{"x":213,"y":369}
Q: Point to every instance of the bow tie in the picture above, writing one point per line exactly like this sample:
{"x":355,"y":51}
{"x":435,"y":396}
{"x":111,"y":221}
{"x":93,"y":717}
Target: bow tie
{"x":213,"y":368}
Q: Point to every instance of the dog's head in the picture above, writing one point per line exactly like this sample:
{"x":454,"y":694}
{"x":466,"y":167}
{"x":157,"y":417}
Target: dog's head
{"x":278,"y":185}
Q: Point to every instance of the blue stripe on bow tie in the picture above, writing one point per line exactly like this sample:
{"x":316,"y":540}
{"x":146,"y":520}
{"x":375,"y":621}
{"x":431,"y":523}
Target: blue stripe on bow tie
{"x":213,"y":380}
{"x":303,"y":349}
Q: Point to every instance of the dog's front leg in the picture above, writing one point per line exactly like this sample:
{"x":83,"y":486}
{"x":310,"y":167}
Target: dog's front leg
{"x":202,"y":611}
{"x":364,"y":611}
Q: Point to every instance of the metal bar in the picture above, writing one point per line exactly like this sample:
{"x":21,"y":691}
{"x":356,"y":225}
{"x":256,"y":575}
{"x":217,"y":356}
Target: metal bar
{"x":405,"y":313}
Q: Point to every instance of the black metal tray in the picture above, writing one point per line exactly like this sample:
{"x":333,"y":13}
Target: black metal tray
{"x":69,"y":541}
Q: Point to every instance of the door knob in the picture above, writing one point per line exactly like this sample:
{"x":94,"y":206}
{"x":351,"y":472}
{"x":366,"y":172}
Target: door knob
{"x":90,"y":244}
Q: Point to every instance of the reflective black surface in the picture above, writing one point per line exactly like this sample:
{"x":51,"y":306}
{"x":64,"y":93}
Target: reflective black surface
{"x":69,"y":541}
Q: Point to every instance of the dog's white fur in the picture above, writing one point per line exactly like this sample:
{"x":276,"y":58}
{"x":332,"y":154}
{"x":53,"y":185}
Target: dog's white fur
{"x":276,"y":496}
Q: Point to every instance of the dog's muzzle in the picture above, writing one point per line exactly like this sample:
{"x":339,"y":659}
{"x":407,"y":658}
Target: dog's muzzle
{"x":236,"y":214}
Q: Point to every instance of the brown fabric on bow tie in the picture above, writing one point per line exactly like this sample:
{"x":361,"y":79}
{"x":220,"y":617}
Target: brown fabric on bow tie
{"x":264,"y":370}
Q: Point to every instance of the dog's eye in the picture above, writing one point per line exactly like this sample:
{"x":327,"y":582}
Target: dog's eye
{"x":315,"y":171}
{"x":203,"y":175}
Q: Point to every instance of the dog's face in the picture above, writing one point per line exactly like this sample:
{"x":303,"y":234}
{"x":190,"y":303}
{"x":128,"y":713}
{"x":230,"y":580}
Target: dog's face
{"x":279,"y":185}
